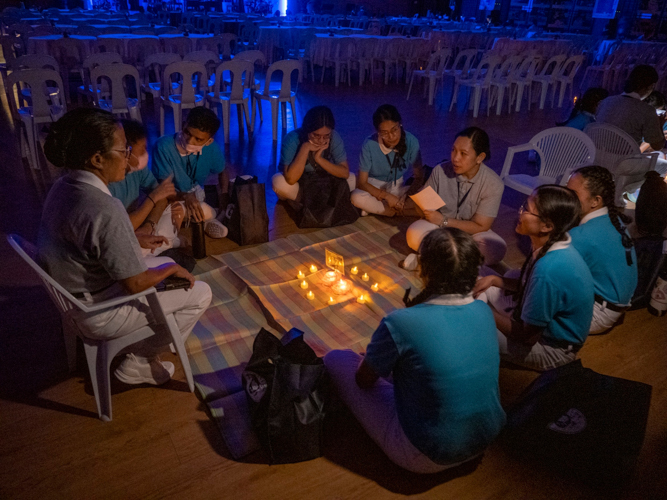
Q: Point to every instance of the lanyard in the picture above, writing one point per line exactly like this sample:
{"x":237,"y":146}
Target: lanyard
{"x":458,"y":194}
{"x":190,"y":169}
{"x":396,"y":165}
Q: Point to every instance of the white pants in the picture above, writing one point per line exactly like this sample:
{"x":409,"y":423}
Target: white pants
{"x":375,"y":409}
{"x":603,"y":318}
{"x":164,"y":227}
{"x":287,"y":191}
{"x":369,"y":203}
{"x":186,"y":305}
{"x":492,"y":246}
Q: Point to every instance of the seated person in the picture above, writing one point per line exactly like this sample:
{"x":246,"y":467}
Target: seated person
{"x":190,"y":156}
{"x":605,"y":245}
{"x":471,"y":192}
{"x":388,"y":158}
{"x":584,"y":110}
{"x":548,"y":320}
{"x":630,"y":113}
{"x":315,"y":146}
{"x":154,"y":214}
{"x":88,"y":245}
{"x":442,"y":407}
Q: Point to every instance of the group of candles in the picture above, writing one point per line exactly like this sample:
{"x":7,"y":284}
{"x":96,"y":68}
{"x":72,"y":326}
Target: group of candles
{"x":339,"y":286}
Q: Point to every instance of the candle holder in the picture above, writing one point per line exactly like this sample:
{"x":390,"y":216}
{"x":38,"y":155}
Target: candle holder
{"x":365,"y":277}
{"x":300,"y":275}
{"x":354,"y":270}
{"x":361,"y":299}
{"x":310,"y":295}
{"x":331,"y":301}
{"x":304,"y":284}
{"x":342,"y":286}
{"x":330,"y":277}
{"x":313,"y":268}
{"x":375,"y":287}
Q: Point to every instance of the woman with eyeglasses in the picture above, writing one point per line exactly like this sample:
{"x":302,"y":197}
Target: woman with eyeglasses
{"x":88,"y":245}
{"x":388,"y":159}
{"x":546,"y":321}
{"x":314,"y":147}
{"x":441,"y":406}
{"x":471,"y":192}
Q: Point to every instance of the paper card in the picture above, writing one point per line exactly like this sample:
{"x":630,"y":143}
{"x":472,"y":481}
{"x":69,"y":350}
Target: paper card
{"x":334,"y":261}
{"x":428,"y":199}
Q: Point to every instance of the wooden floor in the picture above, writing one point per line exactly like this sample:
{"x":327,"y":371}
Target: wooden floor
{"x":161,"y":442}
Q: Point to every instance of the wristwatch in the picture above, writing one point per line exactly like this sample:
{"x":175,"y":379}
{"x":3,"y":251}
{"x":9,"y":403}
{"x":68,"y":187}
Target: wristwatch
{"x":445,"y":221}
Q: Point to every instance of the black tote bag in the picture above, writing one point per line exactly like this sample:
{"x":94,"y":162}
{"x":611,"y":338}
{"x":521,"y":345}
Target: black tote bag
{"x":246,"y":217}
{"x":587,"y":425}
{"x":325,"y":201}
{"x":286,"y":389}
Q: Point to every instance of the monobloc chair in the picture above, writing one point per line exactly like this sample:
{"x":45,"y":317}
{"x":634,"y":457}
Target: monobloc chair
{"x":91,"y":62}
{"x":178,"y":45}
{"x":437,"y":63}
{"x":240,"y":72}
{"x":613,"y":148}
{"x":120,"y":77}
{"x":100,"y":353}
{"x":191,"y":74}
{"x":560,"y":150}
{"x":42,"y":83}
{"x":565,"y":78}
{"x":257,"y":58}
{"x":547,"y":77}
{"x":155,"y":64}
{"x":281,"y":95}
{"x":37,"y":61}
{"x":479,"y":81}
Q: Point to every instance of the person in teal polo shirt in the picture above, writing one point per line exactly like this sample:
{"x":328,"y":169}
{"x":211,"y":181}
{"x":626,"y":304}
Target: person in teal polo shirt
{"x":605,"y":245}
{"x":549,"y":320}
{"x":443,"y":406}
{"x":388,"y":159}
{"x":191,"y":156}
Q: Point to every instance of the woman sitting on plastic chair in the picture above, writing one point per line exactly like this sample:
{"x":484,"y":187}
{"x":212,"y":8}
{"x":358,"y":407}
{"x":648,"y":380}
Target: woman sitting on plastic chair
{"x":88,"y":245}
{"x":471,"y":192}
{"x":316,"y":144}
{"x":443,"y":406}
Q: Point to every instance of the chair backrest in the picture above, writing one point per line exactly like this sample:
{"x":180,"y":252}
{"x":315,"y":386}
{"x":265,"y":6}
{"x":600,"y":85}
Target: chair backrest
{"x":570,"y":67}
{"x":63,"y":300}
{"x":88,"y":31}
{"x":229,"y":43}
{"x":107,"y":45}
{"x":611,"y":144}
{"x":102,"y":58}
{"x":486,"y":69}
{"x":508,"y":66}
{"x":117,"y":75}
{"x":138,"y":50}
{"x":241,"y":76}
{"x":179,"y":45}
{"x":287,"y":67}
{"x":552,"y":66}
{"x":464,"y":60}
{"x":68,"y":51}
{"x":527,"y":68}
{"x":157,"y":63}
{"x":438,"y":60}
{"x":189,"y":71}
{"x":254,"y":56}
{"x":34,"y":61}
{"x":39,"y":82}
{"x":562,"y":148}
{"x":167,"y":30}
{"x":203,"y":56}
{"x":345,"y":49}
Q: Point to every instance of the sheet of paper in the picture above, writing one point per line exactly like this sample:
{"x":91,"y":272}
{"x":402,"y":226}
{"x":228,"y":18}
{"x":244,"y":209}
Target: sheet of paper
{"x":428,"y":199}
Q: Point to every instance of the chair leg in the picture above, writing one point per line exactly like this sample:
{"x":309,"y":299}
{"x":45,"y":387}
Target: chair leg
{"x":477,"y":99}
{"x":180,"y":349}
{"x":519,"y":97}
{"x":543,"y":95}
{"x":454,"y":92}
{"x":161,"y":120}
{"x":98,"y":367}
{"x":31,"y":133}
{"x":410,"y":87}
{"x":431,"y":89}
{"x":292,"y":102}
{"x":225,"y":119}
{"x":70,"y":346}
{"x":501,"y":96}
{"x":283,"y":112}
{"x":239,"y":117}
{"x":274,"y":118}
{"x":246,"y":111}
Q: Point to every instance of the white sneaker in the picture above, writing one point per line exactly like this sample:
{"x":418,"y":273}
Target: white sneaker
{"x":410,"y":262}
{"x":138,"y":370}
{"x":215,"y":229}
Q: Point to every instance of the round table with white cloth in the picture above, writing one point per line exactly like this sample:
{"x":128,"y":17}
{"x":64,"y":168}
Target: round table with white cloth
{"x":125,"y":38}
{"x":281,"y":37}
{"x":42,"y":44}
{"x":192,"y":36}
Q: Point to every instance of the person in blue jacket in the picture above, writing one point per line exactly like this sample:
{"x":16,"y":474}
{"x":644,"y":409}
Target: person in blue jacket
{"x":605,"y":245}
{"x":443,"y":406}
{"x":584,"y":110}
{"x":548,"y":320}
{"x":388,"y":159}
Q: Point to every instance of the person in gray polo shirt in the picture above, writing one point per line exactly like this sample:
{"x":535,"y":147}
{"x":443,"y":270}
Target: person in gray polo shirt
{"x":88,"y":245}
{"x":471,"y":192}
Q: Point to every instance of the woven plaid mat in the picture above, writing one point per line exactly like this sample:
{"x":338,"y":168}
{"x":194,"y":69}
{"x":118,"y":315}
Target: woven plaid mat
{"x":257,"y":288}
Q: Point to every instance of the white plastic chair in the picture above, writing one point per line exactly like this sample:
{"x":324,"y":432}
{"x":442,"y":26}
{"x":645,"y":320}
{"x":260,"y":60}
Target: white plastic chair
{"x":367,"y":49}
{"x":156,"y":63}
{"x":100,"y":353}
{"x":437,"y":63}
{"x":190,"y":95}
{"x":240,"y":72}
{"x":560,"y":150}
{"x":344,"y":53}
{"x":614,"y":146}
{"x":281,"y":95}
{"x":37,"y":61}
{"x":479,"y":82}
{"x":566,"y":75}
{"x":209,"y":59}
{"x":461,"y":64}
{"x":41,"y":109}
{"x":547,"y":77}
{"x":502,"y":81}
{"x":390,"y":57}
{"x":523,"y":79}
{"x":412,"y":51}
{"x":91,"y":62}
{"x":257,"y":58}
{"x":178,"y":45}
{"x":118,"y":103}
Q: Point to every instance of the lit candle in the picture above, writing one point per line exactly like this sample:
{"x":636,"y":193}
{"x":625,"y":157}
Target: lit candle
{"x":310,"y":295}
{"x":354,"y":270}
{"x":329,"y":277}
{"x":331,"y":301}
{"x":304,"y":284}
{"x":313,"y":268}
{"x":361,"y":299}
{"x":365,"y":277}
{"x":375,"y":287}
{"x":340,"y":287}
{"x":300,"y":275}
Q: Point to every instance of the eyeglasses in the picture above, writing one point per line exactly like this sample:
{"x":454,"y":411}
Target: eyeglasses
{"x":127,"y":151}
{"x":524,"y":210}
{"x":319,"y":137}
{"x":394,"y":131}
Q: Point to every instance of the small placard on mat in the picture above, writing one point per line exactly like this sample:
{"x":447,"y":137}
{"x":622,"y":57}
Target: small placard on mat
{"x":334,"y":261}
